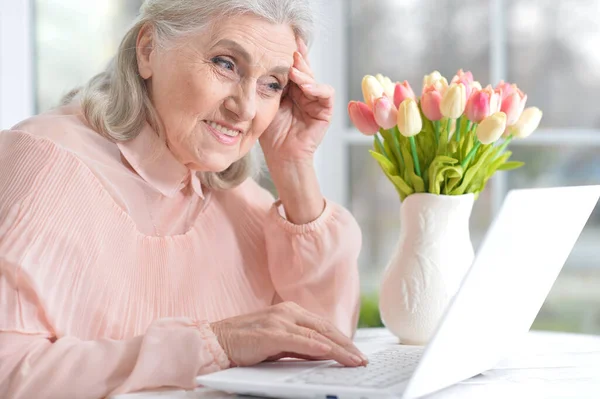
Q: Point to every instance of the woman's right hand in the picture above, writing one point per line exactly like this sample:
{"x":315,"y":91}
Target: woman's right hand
{"x":284,"y":330}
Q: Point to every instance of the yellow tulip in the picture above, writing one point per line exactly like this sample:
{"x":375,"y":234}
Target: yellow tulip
{"x":409,"y":118}
{"x":527,"y":123}
{"x":436,"y":80}
{"x":454,"y":101}
{"x":491,"y":128}
{"x":387,"y":84}
{"x":371,"y":89}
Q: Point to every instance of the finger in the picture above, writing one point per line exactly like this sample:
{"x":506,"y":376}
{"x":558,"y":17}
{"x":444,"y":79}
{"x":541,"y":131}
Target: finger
{"x":303,"y":50}
{"x":324,"y":93}
{"x":330,"y":331}
{"x":300,"y":77}
{"x":301,"y":64}
{"x":297,"y":343}
{"x":337,"y":353}
{"x":294,"y":355}
{"x":317,"y":111}
{"x":324,"y":115}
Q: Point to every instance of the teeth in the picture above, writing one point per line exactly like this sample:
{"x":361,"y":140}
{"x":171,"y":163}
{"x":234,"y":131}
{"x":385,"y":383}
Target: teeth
{"x":223,"y":129}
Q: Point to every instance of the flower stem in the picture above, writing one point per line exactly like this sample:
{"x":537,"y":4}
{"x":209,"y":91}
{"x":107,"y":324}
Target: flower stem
{"x":471,"y":153}
{"x":505,"y":144}
{"x":468,"y":126}
{"x":457,"y":131}
{"x":448,"y":125}
{"x":413,"y":147}
{"x":395,"y":133}
{"x":378,"y":140}
{"x":436,"y":124}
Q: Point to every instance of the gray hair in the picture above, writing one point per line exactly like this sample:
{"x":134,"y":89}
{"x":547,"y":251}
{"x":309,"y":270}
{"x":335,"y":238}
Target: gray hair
{"x":116,"y":102}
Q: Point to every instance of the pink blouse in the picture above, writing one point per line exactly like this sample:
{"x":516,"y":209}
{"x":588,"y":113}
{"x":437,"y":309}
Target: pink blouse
{"x":113,"y":262}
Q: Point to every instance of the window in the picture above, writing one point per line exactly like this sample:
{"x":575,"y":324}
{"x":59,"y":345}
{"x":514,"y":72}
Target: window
{"x":545,"y":47}
{"x":75,"y":40}
{"x":548,"y":48}
{"x":16,"y":63}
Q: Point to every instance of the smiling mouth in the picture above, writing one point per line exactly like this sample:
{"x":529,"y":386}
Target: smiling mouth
{"x":223,"y":134}
{"x":222,"y":129}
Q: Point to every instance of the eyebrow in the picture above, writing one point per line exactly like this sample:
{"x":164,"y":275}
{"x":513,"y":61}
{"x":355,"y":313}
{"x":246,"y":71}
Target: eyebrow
{"x":241,"y":51}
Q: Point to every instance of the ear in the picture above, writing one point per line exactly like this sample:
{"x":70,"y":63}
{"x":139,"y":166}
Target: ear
{"x":144,"y":50}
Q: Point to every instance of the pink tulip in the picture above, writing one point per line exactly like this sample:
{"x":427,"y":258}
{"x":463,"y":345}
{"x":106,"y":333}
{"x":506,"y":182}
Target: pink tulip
{"x":482,"y":104}
{"x":505,"y":89}
{"x":402,"y":92}
{"x":513,"y":106}
{"x":385,"y":113}
{"x":466,"y":78}
{"x":430,"y":103}
{"x":362,"y":117}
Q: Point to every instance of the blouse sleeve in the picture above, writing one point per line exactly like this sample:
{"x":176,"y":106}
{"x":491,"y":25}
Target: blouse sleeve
{"x":315,"y":264}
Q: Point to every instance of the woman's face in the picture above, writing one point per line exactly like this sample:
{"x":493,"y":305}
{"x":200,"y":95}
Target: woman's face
{"x":216,"y":92}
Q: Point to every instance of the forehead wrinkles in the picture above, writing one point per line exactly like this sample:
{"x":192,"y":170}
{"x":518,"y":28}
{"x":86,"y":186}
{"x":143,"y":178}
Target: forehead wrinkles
{"x":256,"y":39}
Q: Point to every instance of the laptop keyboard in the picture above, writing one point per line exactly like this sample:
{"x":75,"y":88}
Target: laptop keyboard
{"x":386,"y":368}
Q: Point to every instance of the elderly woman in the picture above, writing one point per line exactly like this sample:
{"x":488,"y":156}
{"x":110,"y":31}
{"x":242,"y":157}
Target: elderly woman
{"x":136,"y":251}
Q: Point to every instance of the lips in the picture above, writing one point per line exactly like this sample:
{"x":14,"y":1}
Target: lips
{"x":222,"y":134}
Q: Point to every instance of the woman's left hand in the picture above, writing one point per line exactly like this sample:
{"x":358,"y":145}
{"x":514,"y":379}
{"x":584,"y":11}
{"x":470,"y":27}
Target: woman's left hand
{"x":303,"y":117}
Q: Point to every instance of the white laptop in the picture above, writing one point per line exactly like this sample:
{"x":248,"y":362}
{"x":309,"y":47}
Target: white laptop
{"x":499,"y":298}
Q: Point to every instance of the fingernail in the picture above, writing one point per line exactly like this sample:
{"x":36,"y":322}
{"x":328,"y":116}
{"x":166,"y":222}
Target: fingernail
{"x":356,"y":359}
{"x":307,"y":86}
{"x":364,"y":358}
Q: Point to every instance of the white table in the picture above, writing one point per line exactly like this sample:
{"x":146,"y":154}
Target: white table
{"x":545,"y":365}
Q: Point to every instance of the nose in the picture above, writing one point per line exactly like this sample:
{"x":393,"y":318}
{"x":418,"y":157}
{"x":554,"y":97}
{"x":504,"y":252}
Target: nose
{"x":242,"y":102}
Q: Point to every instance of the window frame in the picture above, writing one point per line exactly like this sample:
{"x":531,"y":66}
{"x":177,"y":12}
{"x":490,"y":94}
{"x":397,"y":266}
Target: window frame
{"x":17,"y":74}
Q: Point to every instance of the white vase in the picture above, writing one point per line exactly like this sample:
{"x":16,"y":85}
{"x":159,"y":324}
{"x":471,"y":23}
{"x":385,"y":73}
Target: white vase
{"x":433,"y":254}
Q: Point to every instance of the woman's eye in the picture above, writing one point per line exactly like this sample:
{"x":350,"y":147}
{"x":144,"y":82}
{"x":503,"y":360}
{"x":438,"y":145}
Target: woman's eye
{"x":275,"y":86}
{"x":224,"y":63}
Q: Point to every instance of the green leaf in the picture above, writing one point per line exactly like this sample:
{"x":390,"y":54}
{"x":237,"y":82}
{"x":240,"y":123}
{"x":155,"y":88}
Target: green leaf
{"x":485,"y":173}
{"x":390,"y":171}
{"x":511,"y":165}
{"x":417,"y":183}
{"x":472,"y":171}
{"x":395,"y":133}
{"x":391,"y":145}
{"x":427,"y":147}
{"x":496,"y":163}
{"x":454,"y":180}
{"x":444,"y":133}
{"x":466,"y":146}
{"x":453,"y":147}
{"x":442,"y":168}
{"x":378,"y":146}
{"x":452,"y":175}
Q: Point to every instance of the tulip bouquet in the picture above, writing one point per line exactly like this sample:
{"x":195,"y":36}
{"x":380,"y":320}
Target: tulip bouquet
{"x":451,"y":139}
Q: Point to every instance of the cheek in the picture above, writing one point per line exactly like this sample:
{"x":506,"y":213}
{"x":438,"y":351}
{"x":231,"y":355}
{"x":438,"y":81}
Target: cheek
{"x":264,"y":118}
{"x":190,"y":91}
